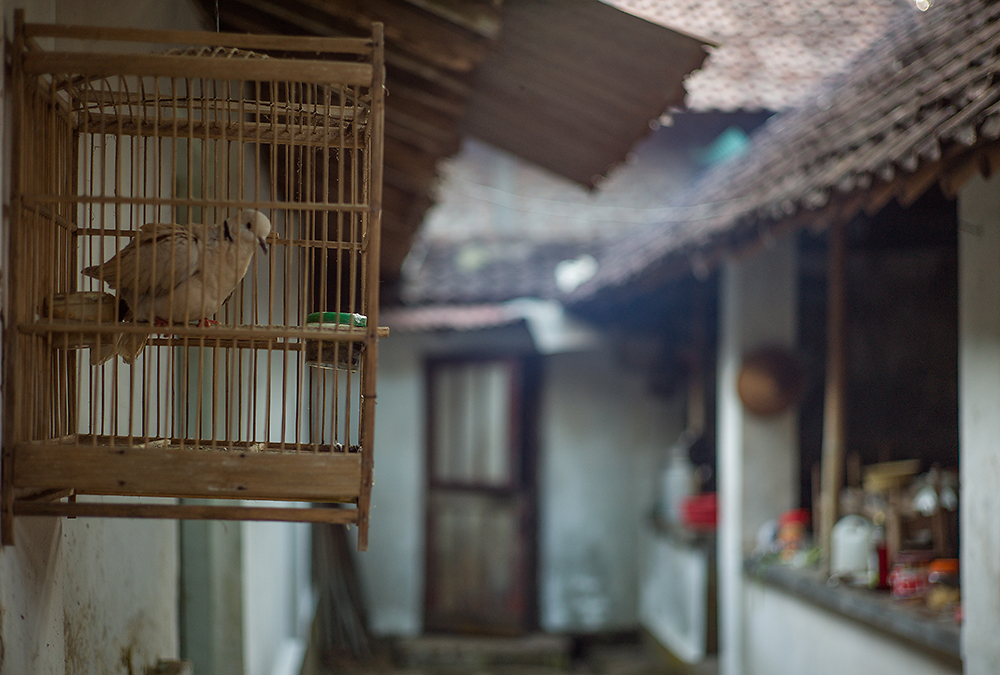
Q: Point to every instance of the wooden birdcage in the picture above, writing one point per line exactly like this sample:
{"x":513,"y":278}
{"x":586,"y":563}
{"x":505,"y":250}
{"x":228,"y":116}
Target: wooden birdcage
{"x":137,"y":167}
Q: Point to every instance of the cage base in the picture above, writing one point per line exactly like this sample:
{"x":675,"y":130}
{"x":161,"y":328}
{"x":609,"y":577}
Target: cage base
{"x":74,"y":509}
{"x":197,"y":473}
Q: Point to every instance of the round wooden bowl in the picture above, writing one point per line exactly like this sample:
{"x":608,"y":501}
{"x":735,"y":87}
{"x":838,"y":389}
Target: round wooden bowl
{"x":770,"y":381}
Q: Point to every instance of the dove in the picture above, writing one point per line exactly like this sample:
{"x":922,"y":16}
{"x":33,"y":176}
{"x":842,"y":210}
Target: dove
{"x":173,"y":273}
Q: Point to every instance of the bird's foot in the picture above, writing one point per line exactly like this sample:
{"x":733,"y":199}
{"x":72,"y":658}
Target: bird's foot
{"x":206,"y":322}
{"x":161,"y":323}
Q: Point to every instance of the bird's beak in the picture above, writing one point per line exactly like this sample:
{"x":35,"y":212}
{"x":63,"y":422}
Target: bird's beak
{"x":263,"y":244}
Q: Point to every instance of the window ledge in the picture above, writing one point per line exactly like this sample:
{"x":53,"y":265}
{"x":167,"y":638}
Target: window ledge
{"x":873,"y":608}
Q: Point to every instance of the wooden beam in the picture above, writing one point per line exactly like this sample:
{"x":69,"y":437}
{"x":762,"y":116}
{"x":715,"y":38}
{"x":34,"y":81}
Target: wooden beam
{"x":418,"y":116}
{"x":410,"y":29}
{"x":374,"y":234}
{"x":421,"y":69}
{"x":296,"y":43}
{"x":454,"y":108}
{"x":915,"y":184}
{"x":188,"y":335}
{"x":258,"y":22}
{"x":836,"y":385}
{"x":256,"y":17}
{"x":482,"y":17}
{"x":422,"y":135}
{"x":962,"y":168}
{"x":163,"y":65}
{"x":417,"y":168}
{"x":15,"y":412}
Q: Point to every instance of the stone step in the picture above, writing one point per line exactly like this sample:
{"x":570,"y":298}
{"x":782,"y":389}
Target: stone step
{"x":461,"y":651}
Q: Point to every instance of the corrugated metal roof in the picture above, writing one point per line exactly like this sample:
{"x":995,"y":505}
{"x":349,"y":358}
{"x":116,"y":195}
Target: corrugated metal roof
{"x":922,"y":105}
{"x":543,"y":94}
{"x":572,"y":85}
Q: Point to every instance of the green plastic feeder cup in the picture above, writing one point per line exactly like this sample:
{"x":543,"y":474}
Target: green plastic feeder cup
{"x":334,"y":354}
{"x":343,"y":318}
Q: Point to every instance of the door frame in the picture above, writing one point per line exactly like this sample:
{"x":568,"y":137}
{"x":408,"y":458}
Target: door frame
{"x":524,"y":409}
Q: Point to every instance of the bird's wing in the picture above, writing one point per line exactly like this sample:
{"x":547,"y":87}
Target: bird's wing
{"x":227,"y":258}
{"x":160,"y":257}
{"x":167,"y":256}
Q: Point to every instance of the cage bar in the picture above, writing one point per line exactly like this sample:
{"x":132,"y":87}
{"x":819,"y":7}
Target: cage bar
{"x":156,"y":350}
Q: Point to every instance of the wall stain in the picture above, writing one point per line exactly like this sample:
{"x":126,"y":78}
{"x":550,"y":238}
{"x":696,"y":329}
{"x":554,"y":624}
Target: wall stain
{"x":127,"y":660}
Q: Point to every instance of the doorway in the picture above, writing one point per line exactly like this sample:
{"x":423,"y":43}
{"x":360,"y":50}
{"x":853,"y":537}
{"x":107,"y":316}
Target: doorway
{"x":481,"y":503}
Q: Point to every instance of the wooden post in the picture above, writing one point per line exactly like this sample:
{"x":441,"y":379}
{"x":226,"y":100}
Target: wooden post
{"x":14,"y":417}
{"x":833,"y":409}
{"x":696,"y":408}
{"x":372,"y":283}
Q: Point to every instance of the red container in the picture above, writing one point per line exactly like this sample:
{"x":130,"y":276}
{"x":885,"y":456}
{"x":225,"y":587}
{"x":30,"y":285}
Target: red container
{"x":795,"y":516}
{"x":908,"y":578}
{"x":700,"y":512}
{"x":792,"y":526}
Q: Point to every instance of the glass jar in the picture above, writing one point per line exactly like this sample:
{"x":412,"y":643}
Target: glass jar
{"x":908,"y":578}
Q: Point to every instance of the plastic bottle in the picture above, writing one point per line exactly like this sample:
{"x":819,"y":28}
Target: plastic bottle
{"x":678,"y":480}
{"x":878,"y":559}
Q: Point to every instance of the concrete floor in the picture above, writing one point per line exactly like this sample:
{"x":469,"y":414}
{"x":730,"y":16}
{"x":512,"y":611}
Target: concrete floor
{"x":529,"y":655}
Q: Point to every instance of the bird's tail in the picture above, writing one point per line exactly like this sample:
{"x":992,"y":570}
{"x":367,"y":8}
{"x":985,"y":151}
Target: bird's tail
{"x":130,"y":346}
{"x":101,"y":355}
{"x":127,"y":345}
{"x":92,"y":271}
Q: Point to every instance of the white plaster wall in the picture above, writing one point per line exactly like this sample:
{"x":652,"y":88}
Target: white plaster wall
{"x":979,"y":420}
{"x":32,"y":589}
{"x":764,"y":631}
{"x":757,"y":458}
{"x":392,"y":569}
{"x":602,"y":439}
{"x":120,"y":594}
{"x":275,"y":595}
{"x":88,"y":595}
{"x":786,"y":636}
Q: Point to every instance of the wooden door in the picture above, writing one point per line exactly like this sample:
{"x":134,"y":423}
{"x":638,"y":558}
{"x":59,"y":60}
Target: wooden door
{"x":481,"y":504}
